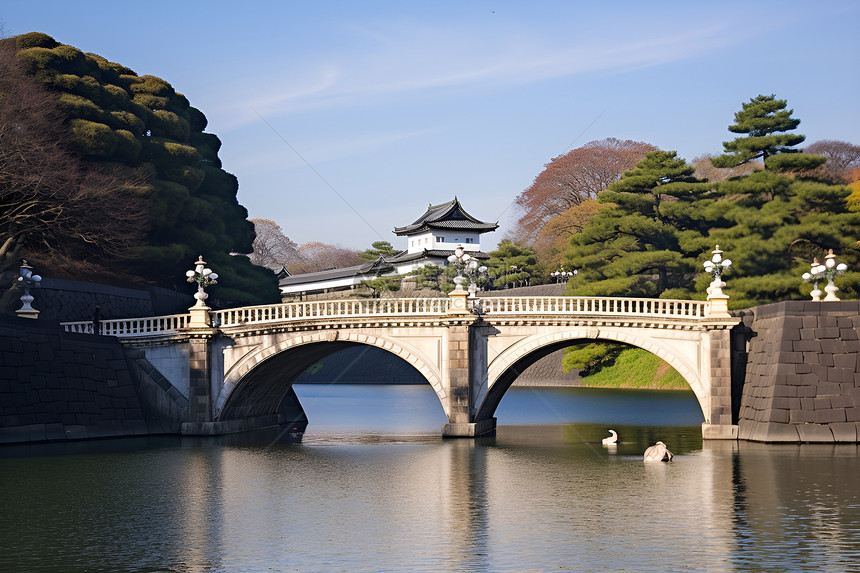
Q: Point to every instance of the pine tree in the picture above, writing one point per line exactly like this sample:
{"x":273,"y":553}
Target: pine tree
{"x":766,"y":120}
{"x":645,"y":240}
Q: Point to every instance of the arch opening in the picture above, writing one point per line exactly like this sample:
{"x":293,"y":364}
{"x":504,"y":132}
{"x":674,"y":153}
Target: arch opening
{"x":518,"y":360}
{"x":258,"y":387}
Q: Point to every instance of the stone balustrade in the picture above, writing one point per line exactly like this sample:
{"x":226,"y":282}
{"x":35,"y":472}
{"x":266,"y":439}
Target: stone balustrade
{"x":399,"y":308}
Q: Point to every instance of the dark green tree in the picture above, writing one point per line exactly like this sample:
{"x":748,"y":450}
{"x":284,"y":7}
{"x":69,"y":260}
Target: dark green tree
{"x":512,"y":265}
{"x":118,"y":117}
{"x":766,"y":121}
{"x":777,"y":225}
{"x":381,"y":285}
{"x":427,"y":277}
{"x":378,"y":249}
{"x":646,"y":240}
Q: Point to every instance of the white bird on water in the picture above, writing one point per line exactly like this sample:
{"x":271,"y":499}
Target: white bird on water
{"x":611,"y":440}
{"x":658,"y":453}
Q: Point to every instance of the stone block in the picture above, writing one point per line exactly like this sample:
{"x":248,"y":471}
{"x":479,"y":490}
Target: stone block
{"x":832,"y":346}
{"x":811,"y":357}
{"x":772,"y":432}
{"x":790,"y":358}
{"x":852,"y":414}
{"x":810,"y":345}
{"x":821,"y":403}
{"x":827,"y":331}
{"x":846,"y":361}
{"x":814,"y":433}
{"x":842,"y":401}
{"x":829,"y":388}
{"x":844,"y":432}
{"x":847,"y":334}
{"x":830,"y":416}
{"x":784,"y":403}
{"x":785,"y":391}
{"x":840,"y":375}
{"x":801,"y":416}
{"x":774,"y":415}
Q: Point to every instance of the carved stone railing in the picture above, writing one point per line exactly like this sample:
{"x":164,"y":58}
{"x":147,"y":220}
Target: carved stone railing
{"x":403,"y":308}
{"x":132,"y":326}
{"x":608,"y":306}
{"x":331,"y":309}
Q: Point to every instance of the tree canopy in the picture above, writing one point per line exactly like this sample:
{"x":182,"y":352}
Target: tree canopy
{"x":645,"y":241}
{"x":659,"y":223}
{"x":766,"y":122}
{"x":573,"y":179}
{"x":116,"y":117}
{"x":377,"y":249}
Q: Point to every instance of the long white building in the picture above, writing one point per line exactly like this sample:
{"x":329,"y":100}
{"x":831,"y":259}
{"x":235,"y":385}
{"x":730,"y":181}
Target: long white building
{"x":430,"y":240}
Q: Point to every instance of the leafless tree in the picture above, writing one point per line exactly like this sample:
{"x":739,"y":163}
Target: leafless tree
{"x":573,"y":178}
{"x":843,"y":161}
{"x":272,"y":248}
{"x":51,"y":200}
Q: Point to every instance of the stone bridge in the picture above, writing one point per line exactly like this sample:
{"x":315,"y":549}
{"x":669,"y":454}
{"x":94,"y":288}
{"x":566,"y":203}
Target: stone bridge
{"x":237,"y":366}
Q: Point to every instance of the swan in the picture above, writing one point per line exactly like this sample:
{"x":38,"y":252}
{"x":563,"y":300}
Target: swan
{"x":611,"y":440}
{"x":658,"y":453}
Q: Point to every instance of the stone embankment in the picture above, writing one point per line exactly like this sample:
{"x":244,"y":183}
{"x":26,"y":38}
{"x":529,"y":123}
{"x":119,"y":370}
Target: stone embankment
{"x":802,"y":381}
{"x":61,"y":386}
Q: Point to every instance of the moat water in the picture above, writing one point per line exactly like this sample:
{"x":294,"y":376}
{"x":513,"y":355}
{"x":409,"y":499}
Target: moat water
{"x":372,"y":487}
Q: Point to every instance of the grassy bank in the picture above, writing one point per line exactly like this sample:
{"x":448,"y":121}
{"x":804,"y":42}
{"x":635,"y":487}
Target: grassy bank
{"x":637,"y":368}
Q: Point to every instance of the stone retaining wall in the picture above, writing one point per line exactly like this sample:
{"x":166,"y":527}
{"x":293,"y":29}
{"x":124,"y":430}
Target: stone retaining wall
{"x":60,"y":386}
{"x":67,"y":301}
{"x":802,"y":380}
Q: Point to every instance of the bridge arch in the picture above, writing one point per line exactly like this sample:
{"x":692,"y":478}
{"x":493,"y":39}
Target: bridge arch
{"x":504,"y":368}
{"x":251,"y":386}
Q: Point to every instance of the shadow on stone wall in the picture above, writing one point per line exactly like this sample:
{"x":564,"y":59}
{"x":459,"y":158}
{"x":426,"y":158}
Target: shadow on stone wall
{"x":58,"y":386}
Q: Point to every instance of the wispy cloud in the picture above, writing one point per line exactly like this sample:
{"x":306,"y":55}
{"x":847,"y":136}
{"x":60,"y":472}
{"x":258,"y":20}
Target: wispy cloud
{"x":392,"y":65}
{"x":278,"y":157}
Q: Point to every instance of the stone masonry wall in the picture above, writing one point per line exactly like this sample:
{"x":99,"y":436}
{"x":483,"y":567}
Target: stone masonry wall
{"x":802,"y":377}
{"x":67,"y":301}
{"x":60,"y":386}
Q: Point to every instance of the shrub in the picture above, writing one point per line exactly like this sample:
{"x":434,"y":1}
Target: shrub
{"x":35,"y":40}
{"x":93,"y":138}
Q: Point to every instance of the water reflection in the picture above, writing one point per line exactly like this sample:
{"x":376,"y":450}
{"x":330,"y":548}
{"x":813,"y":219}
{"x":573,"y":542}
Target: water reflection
{"x":534,"y":498}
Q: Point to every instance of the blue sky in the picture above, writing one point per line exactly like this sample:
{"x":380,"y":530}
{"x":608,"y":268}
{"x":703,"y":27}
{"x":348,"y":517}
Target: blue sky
{"x":342,"y":120}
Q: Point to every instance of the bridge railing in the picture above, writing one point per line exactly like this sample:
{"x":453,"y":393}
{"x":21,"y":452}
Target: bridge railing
{"x":132,"y":326}
{"x":652,"y":307}
{"x":401,"y":308}
{"x":331,"y":309}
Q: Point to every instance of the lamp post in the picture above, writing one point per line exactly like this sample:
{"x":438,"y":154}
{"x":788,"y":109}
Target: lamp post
{"x":829,"y":270}
{"x":460,"y":260}
{"x":562,"y":276}
{"x":715,"y":267}
{"x":27,"y":280}
{"x":204,"y":277}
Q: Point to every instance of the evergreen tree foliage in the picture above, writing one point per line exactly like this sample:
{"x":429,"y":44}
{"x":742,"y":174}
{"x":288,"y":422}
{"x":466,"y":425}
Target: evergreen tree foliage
{"x":646,"y":240}
{"x":380,"y":285}
{"x":427,"y":277}
{"x":777,"y":225}
{"x":513,"y":264}
{"x":119,"y":117}
{"x":378,"y":249}
{"x":766,"y":120}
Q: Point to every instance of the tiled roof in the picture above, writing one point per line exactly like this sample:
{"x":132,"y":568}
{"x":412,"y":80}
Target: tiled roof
{"x":434,"y":253}
{"x":372,"y":268}
{"x":448,"y":215}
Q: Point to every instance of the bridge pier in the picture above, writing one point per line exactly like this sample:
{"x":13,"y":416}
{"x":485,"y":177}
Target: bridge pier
{"x":466,"y":375}
{"x":199,"y":413}
{"x":719,"y":423}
